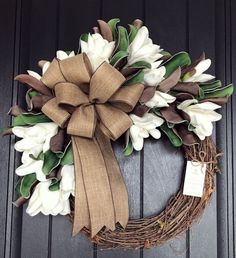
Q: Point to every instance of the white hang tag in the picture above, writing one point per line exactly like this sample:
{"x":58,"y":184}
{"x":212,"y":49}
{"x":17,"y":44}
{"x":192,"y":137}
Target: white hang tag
{"x":194,"y":179}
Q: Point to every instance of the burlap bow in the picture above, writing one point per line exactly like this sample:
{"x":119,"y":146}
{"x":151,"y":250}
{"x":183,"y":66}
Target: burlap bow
{"x":93,"y":108}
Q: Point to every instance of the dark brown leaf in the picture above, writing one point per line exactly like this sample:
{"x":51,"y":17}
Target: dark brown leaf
{"x":34,"y":83}
{"x":140,"y":110}
{"x":171,"y":115}
{"x":105,"y":30}
{"x":189,"y":87}
{"x":183,"y":96}
{"x":138,"y":23}
{"x":39,"y":101}
{"x":171,"y":81}
{"x":188,"y":138}
{"x":190,"y":68}
{"x":15,"y":111}
{"x":147,"y":94}
{"x":57,"y":141}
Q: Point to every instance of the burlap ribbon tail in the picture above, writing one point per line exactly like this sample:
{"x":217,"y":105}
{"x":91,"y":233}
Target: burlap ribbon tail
{"x":93,"y":107}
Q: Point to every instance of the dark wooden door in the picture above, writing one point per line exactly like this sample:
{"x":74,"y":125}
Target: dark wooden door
{"x":35,"y":29}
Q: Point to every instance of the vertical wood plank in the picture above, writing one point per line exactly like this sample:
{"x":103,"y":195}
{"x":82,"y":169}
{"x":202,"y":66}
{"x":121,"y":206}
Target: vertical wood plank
{"x":73,"y":20}
{"x":226,"y":129}
{"x":163,"y":164}
{"x":127,"y":11}
{"x":7,"y":44}
{"x":202,"y":38}
{"x":233,"y":109}
{"x":42,"y":36}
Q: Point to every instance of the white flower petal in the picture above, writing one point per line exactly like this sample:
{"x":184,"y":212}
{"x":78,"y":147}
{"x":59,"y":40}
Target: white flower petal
{"x":155,"y":133}
{"x":34,"y":74}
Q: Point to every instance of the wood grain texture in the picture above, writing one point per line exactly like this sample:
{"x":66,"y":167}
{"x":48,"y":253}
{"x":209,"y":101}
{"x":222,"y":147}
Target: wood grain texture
{"x":33,"y":30}
{"x":164,"y":164}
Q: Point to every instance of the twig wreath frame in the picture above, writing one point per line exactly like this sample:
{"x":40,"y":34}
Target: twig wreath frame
{"x":119,"y":83}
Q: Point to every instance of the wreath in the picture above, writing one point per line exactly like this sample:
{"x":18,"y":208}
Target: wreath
{"x":119,"y":83}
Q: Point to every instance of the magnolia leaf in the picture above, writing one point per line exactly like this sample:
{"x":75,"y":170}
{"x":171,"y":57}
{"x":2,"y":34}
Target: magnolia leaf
{"x":166,"y":55}
{"x":113,"y":25}
{"x":219,"y":93}
{"x":123,"y":39}
{"x":141,"y":65}
{"x":55,"y":185}
{"x":30,"y":119}
{"x":118,"y":57}
{"x":33,"y":93}
{"x":201,"y":93}
{"x":207,"y":87}
{"x":180,"y":59}
{"x":138,"y":78}
{"x":26,"y":185}
{"x":128,"y":149}
{"x":68,"y":158}
{"x":50,"y":162}
{"x":132,"y":33}
{"x":173,"y":137}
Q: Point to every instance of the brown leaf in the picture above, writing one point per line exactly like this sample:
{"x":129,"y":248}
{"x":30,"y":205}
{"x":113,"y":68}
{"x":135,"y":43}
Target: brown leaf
{"x":96,"y":30}
{"x":171,"y":115}
{"x":57,"y":141}
{"x":188,"y":138}
{"x":34,"y":83}
{"x":140,"y":110}
{"x":39,"y":101}
{"x":189,"y":87}
{"x":138,"y":23}
{"x":129,"y":72}
{"x":183,"y":96}
{"x":105,"y":30}
{"x":171,"y":81}
{"x":218,"y":101}
{"x":147,"y":94}
{"x":15,"y":111}
{"x":20,"y":201}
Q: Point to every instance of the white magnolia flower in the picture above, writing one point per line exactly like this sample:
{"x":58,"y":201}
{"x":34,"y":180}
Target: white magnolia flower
{"x":142,"y":48}
{"x":153,"y":76}
{"x":201,"y":116}
{"x":160,"y":99}
{"x":53,"y":202}
{"x":61,"y":55}
{"x":35,"y":140}
{"x":142,"y":127}
{"x":97,"y":49}
{"x":199,"y":75}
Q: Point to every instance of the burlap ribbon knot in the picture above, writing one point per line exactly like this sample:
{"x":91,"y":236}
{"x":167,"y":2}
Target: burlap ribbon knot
{"x":93,"y":107}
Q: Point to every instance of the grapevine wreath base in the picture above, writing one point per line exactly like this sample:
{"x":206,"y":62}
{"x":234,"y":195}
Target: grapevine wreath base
{"x":179,"y":214}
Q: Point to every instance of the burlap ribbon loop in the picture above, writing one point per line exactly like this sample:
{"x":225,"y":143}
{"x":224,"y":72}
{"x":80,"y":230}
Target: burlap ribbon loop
{"x":93,"y":108}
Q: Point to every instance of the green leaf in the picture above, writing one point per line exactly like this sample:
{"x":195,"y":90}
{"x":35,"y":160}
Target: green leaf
{"x":128,"y":149}
{"x":138,"y":78}
{"x":68,"y":158}
{"x":123,"y":39}
{"x":178,"y":60}
{"x":84,"y":37}
{"x":173,"y":137}
{"x":219,"y":93}
{"x":50,"y":162}
{"x":211,"y":86}
{"x":118,"y":57}
{"x":55,"y":185}
{"x":30,"y":119}
{"x":113,"y":25}
{"x":166,"y":54}
{"x":201,"y":93}
{"x":33,"y":93}
{"x":26,"y":185}
{"x":133,"y":32}
{"x":141,"y":64}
